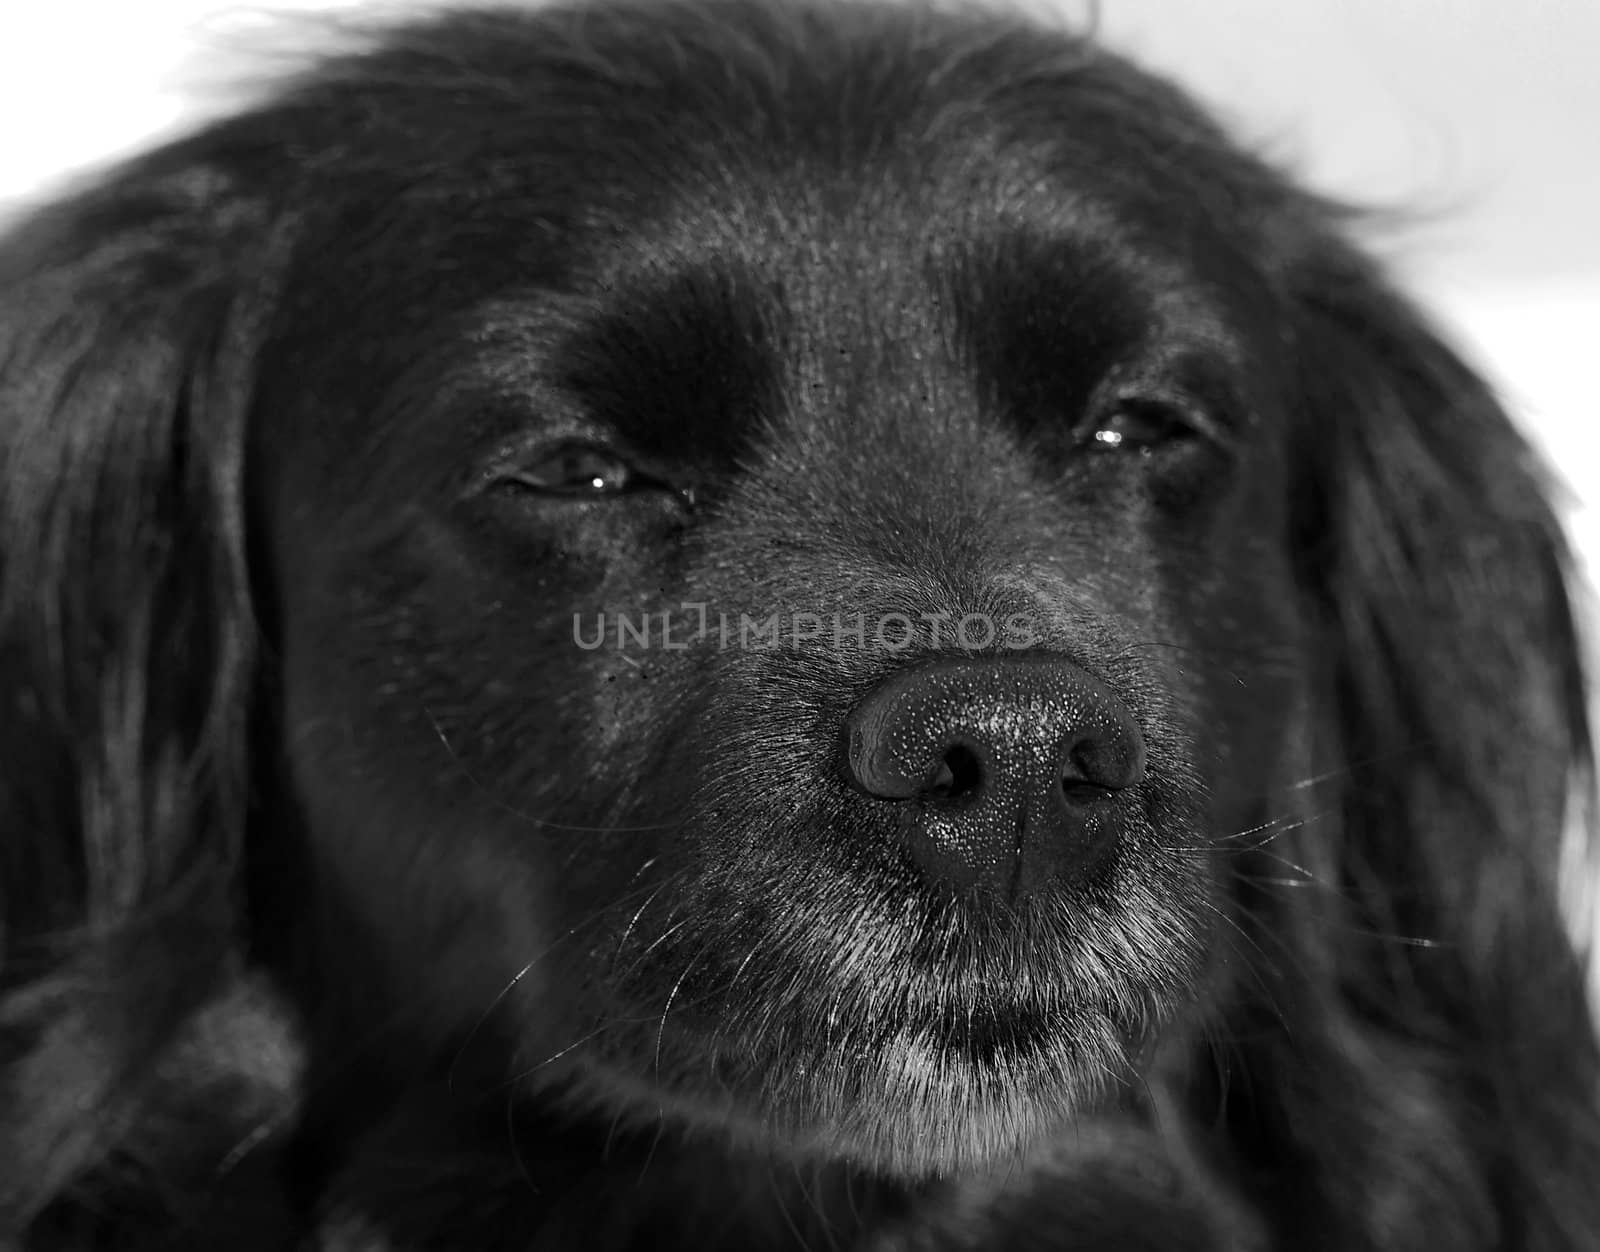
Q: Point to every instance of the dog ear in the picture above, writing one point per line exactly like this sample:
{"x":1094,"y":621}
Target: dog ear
{"x":1455,"y":999}
{"x":127,"y":319}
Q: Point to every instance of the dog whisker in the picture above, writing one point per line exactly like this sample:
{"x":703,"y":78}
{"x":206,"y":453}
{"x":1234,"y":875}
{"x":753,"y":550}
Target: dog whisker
{"x":667,"y":1008}
{"x":1277,"y":827}
{"x":529,"y":1070}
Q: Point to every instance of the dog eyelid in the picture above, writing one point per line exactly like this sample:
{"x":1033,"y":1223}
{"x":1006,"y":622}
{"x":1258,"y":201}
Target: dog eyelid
{"x":578,"y":469}
{"x":570,"y":469}
{"x":1141,"y":424}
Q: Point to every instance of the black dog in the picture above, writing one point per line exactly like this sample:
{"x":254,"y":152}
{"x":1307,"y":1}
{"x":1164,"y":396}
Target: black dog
{"x":686,"y":626}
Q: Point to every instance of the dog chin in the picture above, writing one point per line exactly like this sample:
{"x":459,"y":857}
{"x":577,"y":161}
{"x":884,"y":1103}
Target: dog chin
{"x":929,"y":1104}
{"x":926,"y":1099}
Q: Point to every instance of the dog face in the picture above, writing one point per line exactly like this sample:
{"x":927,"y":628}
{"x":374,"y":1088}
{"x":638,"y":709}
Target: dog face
{"x":856,"y":583}
{"x":805,"y":621}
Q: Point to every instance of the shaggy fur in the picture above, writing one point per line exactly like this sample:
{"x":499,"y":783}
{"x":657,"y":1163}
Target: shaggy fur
{"x":372,"y":877}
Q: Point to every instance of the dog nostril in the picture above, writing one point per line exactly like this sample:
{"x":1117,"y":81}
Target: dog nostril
{"x":1095,"y":770}
{"x":958,"y":774}
{"x":1079,"y":792}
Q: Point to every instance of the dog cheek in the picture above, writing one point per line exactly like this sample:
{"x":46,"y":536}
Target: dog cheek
{"x":449,"y":907}
{"x":1261,"y":686}
{"x":400,"y":716}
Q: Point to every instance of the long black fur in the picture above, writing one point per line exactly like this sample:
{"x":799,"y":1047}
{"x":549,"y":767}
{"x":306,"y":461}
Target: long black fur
{"x":350,"y":903}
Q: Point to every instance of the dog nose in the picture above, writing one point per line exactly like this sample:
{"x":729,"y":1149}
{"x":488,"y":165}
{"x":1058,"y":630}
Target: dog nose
{"x":1002,"y":766}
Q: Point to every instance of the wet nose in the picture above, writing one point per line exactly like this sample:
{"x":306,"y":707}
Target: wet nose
{"x":1002,"y":766}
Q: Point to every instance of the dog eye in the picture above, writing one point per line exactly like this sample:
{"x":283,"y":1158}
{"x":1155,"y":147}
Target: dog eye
{"x":1140,"y":424}
{"x":575,"y":469}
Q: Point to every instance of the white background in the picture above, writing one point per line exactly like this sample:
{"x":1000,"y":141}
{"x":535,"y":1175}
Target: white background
{"x":1482,"y":116}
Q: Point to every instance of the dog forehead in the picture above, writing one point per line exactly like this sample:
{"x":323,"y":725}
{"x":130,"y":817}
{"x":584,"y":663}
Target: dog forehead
{"x":588,"y":123}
